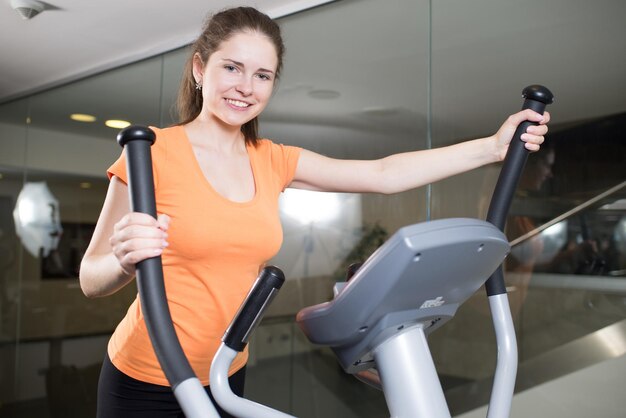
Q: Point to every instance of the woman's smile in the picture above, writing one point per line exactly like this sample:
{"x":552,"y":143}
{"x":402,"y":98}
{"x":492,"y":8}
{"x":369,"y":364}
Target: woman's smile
{"x":238,"y":104}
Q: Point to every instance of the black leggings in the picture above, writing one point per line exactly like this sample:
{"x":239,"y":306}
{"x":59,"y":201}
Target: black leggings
{"x":121,"y":396}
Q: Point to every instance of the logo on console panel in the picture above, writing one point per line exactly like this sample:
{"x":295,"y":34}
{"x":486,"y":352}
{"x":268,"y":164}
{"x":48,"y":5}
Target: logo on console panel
{"x":433,"y":303}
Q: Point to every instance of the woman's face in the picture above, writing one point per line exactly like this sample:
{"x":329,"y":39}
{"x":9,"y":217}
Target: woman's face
{"x":538,"y":172}
{"x":238,"y":79}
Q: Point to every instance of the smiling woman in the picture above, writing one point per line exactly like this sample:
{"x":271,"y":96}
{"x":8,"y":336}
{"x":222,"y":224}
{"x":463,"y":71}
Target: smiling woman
{"x":212,"y":163}
{"x":217,"y":186}
{"x":241,"y":80}
{"x":381,"y":106}
{"x":218,"y":29}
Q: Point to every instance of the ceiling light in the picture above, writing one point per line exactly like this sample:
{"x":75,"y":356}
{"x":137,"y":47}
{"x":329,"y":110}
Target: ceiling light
{"x":324,"y":94}
{"x":117,"y":124}
{"x":82,"y":117}
{"x":27,"y":9}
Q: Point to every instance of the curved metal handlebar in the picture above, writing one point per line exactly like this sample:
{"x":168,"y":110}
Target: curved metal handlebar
{"x":136,"y":141}
{"x":536,"y":98}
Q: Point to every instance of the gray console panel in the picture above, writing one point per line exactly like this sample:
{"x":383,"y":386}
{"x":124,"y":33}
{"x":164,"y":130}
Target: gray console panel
{"x":420,"y":276}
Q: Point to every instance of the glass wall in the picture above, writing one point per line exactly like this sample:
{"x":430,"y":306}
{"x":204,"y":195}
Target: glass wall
{"x":565,"y":277}
{"x":13,"y":156}
{"x":53,"y":183}
{"x":362,"y":79}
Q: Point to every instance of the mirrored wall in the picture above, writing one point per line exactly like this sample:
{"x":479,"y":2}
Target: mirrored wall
{"x":362,"y":79}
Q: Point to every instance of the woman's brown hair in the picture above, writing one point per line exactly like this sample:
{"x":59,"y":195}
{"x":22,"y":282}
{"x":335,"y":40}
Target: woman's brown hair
{"x":219,"y":28}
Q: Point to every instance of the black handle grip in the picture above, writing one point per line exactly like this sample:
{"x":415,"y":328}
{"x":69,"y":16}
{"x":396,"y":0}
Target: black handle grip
{"x":252,"y":309}
{"x":536,"y":98}
{"x":137,"y":140}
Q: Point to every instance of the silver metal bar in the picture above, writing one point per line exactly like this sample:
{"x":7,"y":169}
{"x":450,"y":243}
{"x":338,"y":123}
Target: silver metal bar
{"x":224,"y":396}
{"x":193,"y":400}
{"x":567,"y":214}
{"x":506,"y":366}
{"x":409,"y":379}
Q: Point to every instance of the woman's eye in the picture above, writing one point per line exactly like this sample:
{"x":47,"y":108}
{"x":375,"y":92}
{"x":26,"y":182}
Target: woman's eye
{"x":264,"y":76}
{"x":230,"y":68}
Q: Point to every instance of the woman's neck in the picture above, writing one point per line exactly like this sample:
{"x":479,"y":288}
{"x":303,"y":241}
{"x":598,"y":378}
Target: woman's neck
{"x":215,"y":135}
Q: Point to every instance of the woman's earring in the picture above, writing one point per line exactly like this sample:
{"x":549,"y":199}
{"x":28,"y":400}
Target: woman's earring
{"x":198,"y":85}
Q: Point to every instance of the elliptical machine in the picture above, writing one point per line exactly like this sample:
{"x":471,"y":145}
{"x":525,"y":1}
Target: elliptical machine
{"x":412,"y":285}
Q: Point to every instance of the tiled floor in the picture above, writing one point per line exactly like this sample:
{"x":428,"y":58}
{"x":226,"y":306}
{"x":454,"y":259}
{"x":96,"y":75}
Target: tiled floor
{"x":312,"y":385}
{"x":308,"y":385}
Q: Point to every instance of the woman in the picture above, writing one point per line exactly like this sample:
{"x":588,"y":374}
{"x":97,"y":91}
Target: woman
{"x":217,"y":187}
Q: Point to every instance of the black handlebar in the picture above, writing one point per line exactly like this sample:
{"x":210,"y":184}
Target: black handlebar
{"x":251,"y":311}
{"x":536,"y":98}
{"x":136,"y":140}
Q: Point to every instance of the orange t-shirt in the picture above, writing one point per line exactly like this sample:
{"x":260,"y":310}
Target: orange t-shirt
{"x":216,"y":248}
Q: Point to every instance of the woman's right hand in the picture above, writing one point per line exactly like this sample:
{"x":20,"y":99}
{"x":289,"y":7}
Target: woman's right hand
{"x":136,"y":237}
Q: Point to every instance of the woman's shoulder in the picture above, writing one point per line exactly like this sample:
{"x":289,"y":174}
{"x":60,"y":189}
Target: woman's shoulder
{"x":278,"y":154}
{"x":263,"y":146}
{"x":167,"y":137}
{"x":269,"y":145}
{"x":168,"y":133}
{"x":264,"y":143}
{"x":283,"y":159}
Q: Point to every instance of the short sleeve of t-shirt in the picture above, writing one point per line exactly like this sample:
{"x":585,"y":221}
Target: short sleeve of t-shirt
{"x":118,"y":168}
{"x":158,"y":151}
{"x":284,"y":160}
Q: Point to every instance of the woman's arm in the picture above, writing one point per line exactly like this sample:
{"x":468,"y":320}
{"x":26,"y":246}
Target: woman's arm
{"x":409,"y":170}
{"x":120,"y":240}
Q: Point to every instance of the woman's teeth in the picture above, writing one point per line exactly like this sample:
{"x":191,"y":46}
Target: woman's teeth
{"x":237,"y":103}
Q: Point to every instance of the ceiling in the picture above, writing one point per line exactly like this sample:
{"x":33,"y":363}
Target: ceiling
{"x":377,"y":57}
{"x":71,"y":39}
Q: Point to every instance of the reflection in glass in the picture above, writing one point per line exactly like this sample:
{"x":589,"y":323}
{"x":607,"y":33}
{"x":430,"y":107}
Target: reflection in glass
{"x":309,"y":207}
{"x":320,"y":229}
{"x":37,"y":219}
{"x":55,"y":338}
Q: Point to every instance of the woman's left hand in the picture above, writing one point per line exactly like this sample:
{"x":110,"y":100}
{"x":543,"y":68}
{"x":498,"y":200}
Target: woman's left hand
{"x":533,"y":137}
